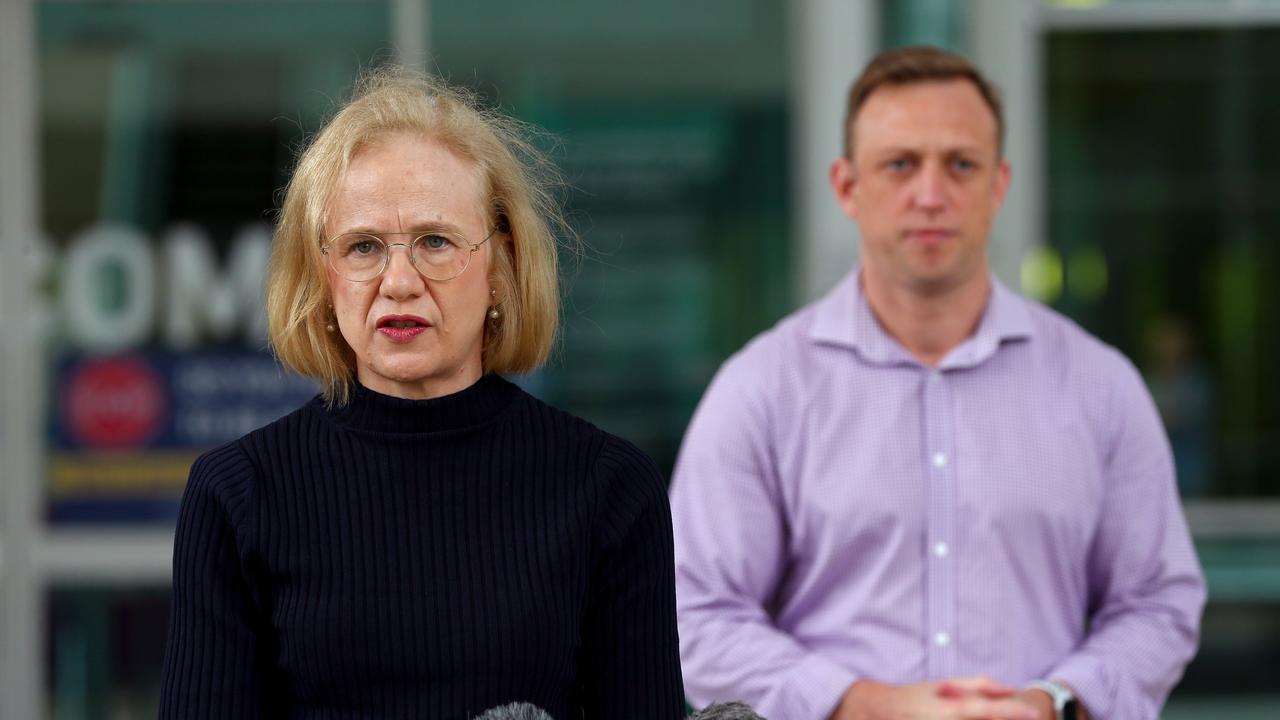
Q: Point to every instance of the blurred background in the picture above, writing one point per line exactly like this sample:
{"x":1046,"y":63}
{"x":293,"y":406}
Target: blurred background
{"x":143,"y":146}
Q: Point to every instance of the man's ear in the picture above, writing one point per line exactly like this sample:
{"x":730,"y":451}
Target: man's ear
{"x":1004,"y":176}
{"x":844,"y":180}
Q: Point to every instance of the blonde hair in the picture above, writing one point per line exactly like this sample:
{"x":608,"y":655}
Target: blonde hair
{"x":517,"y":180}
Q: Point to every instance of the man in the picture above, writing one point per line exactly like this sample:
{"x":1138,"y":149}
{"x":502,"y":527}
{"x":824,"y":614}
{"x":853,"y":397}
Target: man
{"x":924,"y":496}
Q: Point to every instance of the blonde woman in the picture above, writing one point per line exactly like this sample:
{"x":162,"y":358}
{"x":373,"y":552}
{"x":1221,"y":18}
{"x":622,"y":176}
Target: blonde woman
{"x":424,"y":539}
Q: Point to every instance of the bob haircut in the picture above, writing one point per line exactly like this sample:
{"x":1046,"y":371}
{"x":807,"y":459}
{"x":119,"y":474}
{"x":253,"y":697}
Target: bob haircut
{"x":516,"y":177}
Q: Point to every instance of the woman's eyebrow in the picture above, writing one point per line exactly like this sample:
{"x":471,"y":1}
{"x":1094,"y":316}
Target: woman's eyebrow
{"x":413,"y":229}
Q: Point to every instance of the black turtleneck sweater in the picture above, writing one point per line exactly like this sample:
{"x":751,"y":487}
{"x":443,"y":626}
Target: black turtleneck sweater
{"x":425,"y":559}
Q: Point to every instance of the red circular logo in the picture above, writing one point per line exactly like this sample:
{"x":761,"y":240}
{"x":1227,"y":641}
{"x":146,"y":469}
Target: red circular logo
{"x":114,"y":403}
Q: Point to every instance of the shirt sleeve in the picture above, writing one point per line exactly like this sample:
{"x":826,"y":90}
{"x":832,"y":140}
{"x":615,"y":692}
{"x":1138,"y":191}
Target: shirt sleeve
{"x":1147,"y":590}
{"x":630,"y":663}
{"x":212,"y":660}
{"x":731,"y":555}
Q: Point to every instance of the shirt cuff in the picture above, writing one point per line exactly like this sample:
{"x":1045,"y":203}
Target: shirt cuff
{"x":1092,"y":688}
{"x":815,"y":687}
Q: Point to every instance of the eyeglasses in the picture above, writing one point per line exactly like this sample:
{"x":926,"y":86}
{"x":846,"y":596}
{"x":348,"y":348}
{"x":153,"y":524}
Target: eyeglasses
{"x":437,"y":255}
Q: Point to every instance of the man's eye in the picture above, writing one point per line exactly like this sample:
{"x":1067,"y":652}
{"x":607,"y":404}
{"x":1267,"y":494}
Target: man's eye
{"x":899,"y":164}
{"x":963,"y":165}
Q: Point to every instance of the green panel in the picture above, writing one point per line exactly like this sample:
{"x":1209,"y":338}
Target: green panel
{"x":680,"y":208}
{"x":1241,"y":569}
{"x":670,"y":124}
{"x":923,"y":22}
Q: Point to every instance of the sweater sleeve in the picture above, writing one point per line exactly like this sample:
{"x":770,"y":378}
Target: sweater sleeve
{"x":630,"y":666}
{"x":212,"y":665}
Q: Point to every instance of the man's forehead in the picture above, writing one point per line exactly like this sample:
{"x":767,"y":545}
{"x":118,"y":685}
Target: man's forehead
{"x":949,"y":113}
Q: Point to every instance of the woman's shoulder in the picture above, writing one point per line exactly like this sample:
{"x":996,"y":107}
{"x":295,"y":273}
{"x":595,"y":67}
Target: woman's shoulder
{"x":221,"y":480}
{"x":296,"y":429}
{"x":233,"y":466}
{"x":611,"y":454}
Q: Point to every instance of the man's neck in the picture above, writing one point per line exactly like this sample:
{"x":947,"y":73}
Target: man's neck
{"x":927,"y":323}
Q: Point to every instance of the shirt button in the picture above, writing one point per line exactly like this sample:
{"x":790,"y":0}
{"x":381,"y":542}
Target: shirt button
{"x":939,"y":460}
{"x":935,"y":376}
{"x":942,"y":639}
{"x":941,"y":550}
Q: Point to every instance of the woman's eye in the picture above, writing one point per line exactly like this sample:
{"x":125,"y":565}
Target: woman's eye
{"x":435,"y":242}
{"x":364,"y":247}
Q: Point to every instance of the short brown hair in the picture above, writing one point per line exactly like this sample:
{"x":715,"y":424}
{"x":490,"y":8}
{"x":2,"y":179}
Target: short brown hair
{"x":517,"y":181}
{"x":915,"y":64}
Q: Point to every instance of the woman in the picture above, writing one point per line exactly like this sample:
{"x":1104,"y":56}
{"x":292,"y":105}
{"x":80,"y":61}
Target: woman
{"x":424,"y":540}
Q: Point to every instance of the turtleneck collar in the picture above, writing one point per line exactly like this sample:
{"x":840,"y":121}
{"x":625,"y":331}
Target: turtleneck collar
{"x":476,"y":405}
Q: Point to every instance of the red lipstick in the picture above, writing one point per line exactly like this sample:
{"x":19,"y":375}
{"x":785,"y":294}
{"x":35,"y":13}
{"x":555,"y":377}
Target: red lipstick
{"x":402,"y":328}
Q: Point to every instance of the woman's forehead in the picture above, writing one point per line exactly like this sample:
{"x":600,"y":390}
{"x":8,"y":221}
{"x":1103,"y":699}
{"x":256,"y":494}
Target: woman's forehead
{"x":409,"y":181}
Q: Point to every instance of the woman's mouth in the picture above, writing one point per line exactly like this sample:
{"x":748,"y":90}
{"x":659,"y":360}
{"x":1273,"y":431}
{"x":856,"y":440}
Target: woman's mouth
{"x":401,"y":328}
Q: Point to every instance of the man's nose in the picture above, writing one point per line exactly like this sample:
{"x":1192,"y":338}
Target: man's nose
{"x":930,"y":191}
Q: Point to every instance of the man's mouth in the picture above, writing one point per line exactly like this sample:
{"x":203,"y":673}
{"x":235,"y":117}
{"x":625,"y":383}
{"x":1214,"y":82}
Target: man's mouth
{"x":930,"y":236}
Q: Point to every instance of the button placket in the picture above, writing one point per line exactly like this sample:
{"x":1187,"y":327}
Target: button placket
{"x":941,"y":488}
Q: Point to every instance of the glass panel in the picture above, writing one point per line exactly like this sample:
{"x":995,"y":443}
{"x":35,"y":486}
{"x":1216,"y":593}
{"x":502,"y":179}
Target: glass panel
{"x":1155,"y":8}
{"x":105,"y":647}
{"x":166,"y":131}
{"x":922,"y":22}
{"x":1164,"y":171}
{"x":672,"y":129}
{"x":1163,"y":178}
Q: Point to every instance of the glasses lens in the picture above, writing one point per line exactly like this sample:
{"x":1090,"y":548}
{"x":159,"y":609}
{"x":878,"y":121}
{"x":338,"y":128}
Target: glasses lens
{"x":440,"y":256}
{"x":358,"y":257}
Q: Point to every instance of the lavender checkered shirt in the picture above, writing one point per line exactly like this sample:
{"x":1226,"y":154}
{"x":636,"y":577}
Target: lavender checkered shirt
{"x":843,"y":512}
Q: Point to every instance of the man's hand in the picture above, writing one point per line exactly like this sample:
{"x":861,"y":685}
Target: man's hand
{"x":1041,"y":700}
{"x":977,"y":698}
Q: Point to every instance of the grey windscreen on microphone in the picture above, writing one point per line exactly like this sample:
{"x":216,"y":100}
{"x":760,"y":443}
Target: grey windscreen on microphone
{"x":727,"y":711}
{"x":516,"y":711}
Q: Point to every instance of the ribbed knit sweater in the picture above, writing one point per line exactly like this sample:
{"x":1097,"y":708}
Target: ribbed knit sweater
{"x":424,"y":559}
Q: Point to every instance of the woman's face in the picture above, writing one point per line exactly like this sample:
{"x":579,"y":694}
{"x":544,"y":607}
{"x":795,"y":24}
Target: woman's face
{"x":412,"y":337}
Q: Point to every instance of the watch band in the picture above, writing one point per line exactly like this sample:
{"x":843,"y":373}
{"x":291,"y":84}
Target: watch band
{"x":1064,"y":701}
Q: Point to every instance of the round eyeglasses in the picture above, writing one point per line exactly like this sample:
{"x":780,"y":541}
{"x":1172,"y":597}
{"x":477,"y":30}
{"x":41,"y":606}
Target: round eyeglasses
{"x":438,"y":255}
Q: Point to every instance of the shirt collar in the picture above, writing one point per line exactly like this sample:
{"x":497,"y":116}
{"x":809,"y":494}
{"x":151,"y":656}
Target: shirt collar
{"x":844,"y":319}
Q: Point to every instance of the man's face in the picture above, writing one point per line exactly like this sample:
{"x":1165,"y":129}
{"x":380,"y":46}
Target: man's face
{"x":924,"y":184}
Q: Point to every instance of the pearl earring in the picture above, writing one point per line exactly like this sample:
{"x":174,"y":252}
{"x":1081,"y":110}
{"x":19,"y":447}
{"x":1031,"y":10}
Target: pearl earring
{"x":330,"y":327}
{"x":494,"y":314}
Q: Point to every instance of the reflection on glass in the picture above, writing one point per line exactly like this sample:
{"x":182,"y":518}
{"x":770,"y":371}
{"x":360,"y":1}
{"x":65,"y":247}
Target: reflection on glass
{"x":1162,"y":159}
{"x":1183,"y":392}
{"x":166,"y":131}
{"x":1162,"y":163}
{"x":105,"y":647}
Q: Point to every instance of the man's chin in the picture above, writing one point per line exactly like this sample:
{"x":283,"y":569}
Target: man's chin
{"x":934,"y":281}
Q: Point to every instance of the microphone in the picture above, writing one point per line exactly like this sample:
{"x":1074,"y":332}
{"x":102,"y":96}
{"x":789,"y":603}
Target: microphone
{"x":516,"y":711}
{"x":727,"y":711}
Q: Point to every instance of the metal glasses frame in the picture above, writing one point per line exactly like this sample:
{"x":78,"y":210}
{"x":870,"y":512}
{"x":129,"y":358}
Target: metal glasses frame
{"x":386,"y":260}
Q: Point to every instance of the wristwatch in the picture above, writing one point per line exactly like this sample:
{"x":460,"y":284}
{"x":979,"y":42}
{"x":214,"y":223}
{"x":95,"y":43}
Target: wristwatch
{"x":1064,"y":701}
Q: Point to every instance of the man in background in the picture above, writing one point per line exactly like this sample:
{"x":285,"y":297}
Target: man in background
{"x":923,"y":495}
